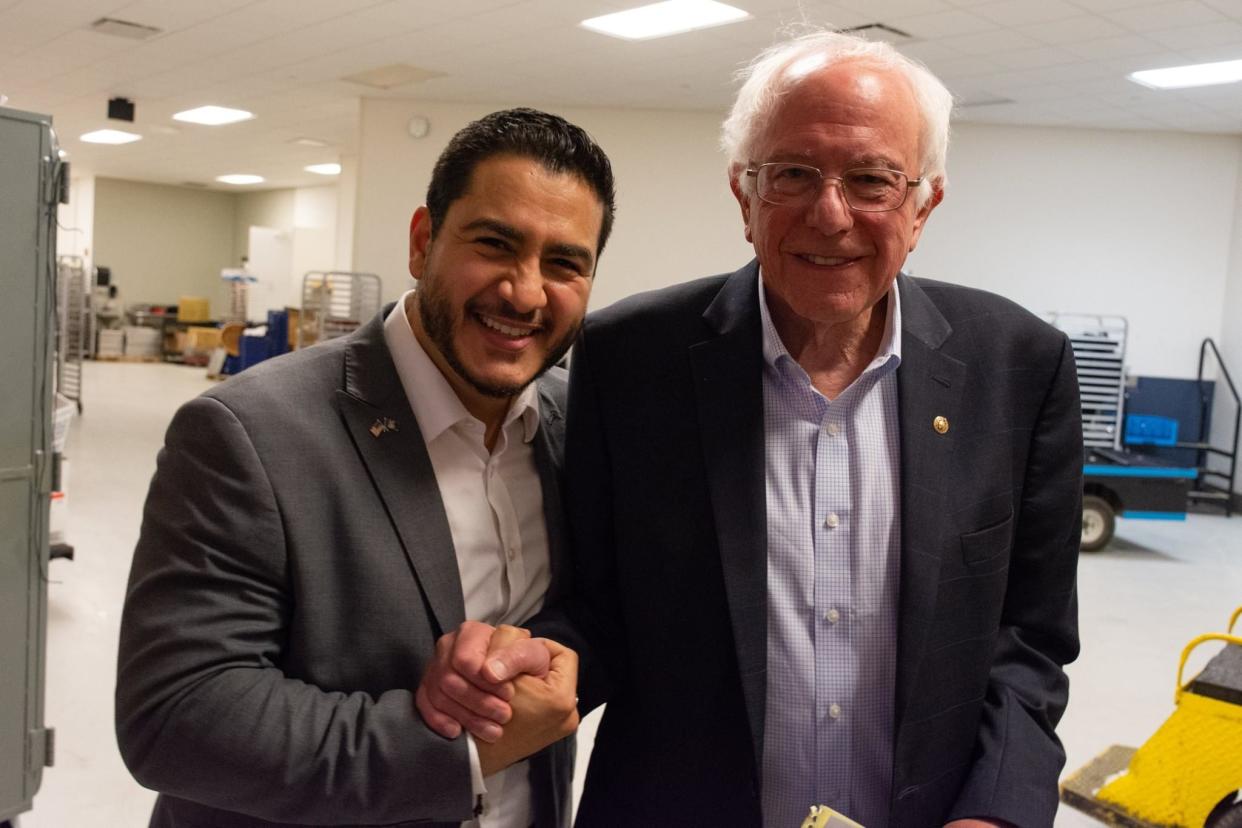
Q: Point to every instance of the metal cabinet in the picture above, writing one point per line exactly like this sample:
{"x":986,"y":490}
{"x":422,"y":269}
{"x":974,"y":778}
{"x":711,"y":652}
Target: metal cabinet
{"x":30,"y":179}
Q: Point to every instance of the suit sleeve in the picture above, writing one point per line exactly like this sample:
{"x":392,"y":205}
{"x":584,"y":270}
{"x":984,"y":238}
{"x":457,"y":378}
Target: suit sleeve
{"x":588,"y":620}
{"x":1018,"y":757}
{"x":203,"y":709}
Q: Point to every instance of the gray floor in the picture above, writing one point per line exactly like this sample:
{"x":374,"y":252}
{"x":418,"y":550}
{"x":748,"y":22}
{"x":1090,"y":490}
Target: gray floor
{"x":1159,"y":585}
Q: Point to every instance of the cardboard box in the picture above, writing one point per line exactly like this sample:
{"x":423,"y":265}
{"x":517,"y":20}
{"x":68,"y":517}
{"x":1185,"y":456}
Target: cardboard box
{"x":193,"y":309}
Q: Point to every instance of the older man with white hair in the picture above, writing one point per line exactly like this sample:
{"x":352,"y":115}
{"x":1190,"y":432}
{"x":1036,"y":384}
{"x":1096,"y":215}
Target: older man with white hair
{"x":826,"y":516}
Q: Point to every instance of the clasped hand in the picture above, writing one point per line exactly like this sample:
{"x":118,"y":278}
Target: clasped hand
{"x":515,"y":694}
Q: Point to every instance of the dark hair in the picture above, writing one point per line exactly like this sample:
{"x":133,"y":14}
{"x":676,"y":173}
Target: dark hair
{"x":548,"y":139}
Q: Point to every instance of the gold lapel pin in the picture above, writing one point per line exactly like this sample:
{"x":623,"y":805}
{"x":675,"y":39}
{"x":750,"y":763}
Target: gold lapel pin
{"x":383,"y":425}
{"x":941,"y":424}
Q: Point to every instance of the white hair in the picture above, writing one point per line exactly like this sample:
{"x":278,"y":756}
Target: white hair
{"x":768,"y":77}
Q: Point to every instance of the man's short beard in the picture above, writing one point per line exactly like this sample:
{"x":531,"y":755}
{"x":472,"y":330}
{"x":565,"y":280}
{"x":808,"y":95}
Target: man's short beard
{"x":436,"y":315}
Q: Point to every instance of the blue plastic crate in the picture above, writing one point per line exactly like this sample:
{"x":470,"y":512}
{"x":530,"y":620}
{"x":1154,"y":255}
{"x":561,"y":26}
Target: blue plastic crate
{"x":1150,"y":430}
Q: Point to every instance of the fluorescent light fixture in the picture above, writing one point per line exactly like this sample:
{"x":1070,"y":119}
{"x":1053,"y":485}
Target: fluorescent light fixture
{"x":663,"y":19}
{"x":109,"y":136}
{"x":324,"y":169}
{"x":309,"y":142}
{"x":213,"y":115}
{"x":1198,"y":74}
{"x":239,"y":178}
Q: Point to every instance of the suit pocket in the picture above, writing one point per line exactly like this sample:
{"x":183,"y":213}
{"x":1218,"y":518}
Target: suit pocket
{"x":985,"y":544}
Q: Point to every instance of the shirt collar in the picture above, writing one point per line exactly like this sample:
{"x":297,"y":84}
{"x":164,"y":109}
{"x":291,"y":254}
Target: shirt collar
{"x":435,"y":404}
{"x":775,"y":353}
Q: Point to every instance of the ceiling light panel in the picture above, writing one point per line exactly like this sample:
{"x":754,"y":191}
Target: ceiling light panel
{"x":213,"y":115}
{"x":324,"y":169}
{"x":1182,"y":77}
{"x":664,"y":19}
{"x":239,"y":178}
{"x":110,"y":136}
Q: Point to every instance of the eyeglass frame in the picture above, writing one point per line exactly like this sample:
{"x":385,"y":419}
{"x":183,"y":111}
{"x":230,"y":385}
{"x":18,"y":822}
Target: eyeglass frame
{"x":911,"y":183}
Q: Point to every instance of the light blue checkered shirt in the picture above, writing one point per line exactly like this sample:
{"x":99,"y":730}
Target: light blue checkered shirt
{"x":834,"y":539}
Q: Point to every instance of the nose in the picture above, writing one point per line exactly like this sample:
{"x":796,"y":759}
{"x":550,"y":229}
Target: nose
{"x":522,"y":287}
{"x":828,"y":212}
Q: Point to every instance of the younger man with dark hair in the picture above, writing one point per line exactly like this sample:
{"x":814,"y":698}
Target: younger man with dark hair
{"x":317,"y":522}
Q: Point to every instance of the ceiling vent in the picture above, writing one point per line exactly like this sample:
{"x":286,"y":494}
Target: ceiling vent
{"x":879,"y":31}
{"x":123,"y":28}
{"x":393,"y":75}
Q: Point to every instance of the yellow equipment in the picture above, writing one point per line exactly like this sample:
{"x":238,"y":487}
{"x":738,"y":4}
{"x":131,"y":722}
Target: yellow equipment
{"x":1188,"y":774}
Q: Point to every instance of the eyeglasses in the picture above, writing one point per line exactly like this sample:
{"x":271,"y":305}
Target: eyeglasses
{"x":868,"y":190}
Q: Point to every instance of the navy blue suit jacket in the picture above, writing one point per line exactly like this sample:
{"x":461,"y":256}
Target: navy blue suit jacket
{"x":665,"y":466}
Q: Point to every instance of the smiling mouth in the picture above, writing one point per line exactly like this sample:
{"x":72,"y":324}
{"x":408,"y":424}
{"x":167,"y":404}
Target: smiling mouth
{"x":827,"y":261}
{"x":505,"y":329}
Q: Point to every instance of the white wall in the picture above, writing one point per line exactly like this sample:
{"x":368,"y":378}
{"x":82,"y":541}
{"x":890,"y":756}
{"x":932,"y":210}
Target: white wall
{"x":265,"y":208}
{"x":1230,"y":341}
{"x":676,"y":218}
{"x":163,"y":242}
{"x":309,"y":217}
{"x":75,"y":232}
{"x":1137,"y":224}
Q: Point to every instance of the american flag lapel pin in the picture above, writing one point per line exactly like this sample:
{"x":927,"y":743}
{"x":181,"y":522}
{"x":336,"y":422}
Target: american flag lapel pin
{"x":383,"y":425}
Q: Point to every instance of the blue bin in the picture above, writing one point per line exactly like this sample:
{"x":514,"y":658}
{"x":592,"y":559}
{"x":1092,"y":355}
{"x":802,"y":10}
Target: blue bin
{"x":1150,"y":430}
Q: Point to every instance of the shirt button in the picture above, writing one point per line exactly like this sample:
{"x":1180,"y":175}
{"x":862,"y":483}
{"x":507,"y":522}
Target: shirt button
{"x":833,"y":429}
{"x":834,"y":711}
{"x":832,"y":616}
{"x":512,"y":552}
{"x":832,"y":521}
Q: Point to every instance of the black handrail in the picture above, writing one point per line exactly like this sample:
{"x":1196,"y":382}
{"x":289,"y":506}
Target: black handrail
{"x":1203,"y":418}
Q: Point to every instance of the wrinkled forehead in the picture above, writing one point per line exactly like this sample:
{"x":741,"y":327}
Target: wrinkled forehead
{"x":851,"y":98}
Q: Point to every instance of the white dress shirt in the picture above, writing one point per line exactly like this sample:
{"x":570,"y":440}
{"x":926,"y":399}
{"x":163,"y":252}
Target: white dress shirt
{"x":494,"y":504}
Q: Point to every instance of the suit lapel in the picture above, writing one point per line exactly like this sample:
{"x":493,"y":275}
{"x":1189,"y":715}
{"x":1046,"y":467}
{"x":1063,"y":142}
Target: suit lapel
{"x":549,"y":448}
{"x":930,"y":385}
{"x":382,"y":426}
{"x":727,"y":371}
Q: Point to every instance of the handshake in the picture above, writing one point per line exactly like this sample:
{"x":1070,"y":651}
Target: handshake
{"x":515,"y":694}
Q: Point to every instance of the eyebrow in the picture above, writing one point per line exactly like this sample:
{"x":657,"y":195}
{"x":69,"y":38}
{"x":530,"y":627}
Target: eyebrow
{"x":859,"y":162}
{"x":511,"y":233}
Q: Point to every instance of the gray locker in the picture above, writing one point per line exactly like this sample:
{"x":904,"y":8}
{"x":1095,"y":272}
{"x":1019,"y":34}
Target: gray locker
{"x":29,"y":190}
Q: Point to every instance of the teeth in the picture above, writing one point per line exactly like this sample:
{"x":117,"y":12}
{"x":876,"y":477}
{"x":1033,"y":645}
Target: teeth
{"x":826,"y":260}
{"x":504,"y":329}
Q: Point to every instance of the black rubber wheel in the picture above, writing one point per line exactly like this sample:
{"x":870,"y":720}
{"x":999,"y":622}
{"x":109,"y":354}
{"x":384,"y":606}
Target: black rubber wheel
{"x":1231,"y":817}
{"x":1098,"y":523}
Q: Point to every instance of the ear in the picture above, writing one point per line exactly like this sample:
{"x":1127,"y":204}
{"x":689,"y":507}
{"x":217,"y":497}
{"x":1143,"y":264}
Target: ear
{"x":420,"y":240}
{"x":920,"y":218}
{"x":743,"y":200}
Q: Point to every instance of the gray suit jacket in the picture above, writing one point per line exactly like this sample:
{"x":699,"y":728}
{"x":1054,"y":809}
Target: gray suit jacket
{"x":294,"y":571}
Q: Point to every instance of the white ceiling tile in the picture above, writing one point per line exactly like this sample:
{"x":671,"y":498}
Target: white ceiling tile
{"x":171,"y":17}
{"x":1074,"y":30}
{"x":1221,"y":33}
{"x":989,"y":43}
{"x":942,"y":24}
{"x":1231,"y":8}
{"x":1134,"y":63}
{"x":930,"y":52}
{"x":964,"y":67}
{"x":1114,"y":5}
{"x":1023,"y":12}
{"x":1114,"y":47}
{"x":1165,"y":16}
{"x":1035,"y":58}
{"x":880,"y":10}
{"x":1208,"y":54}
